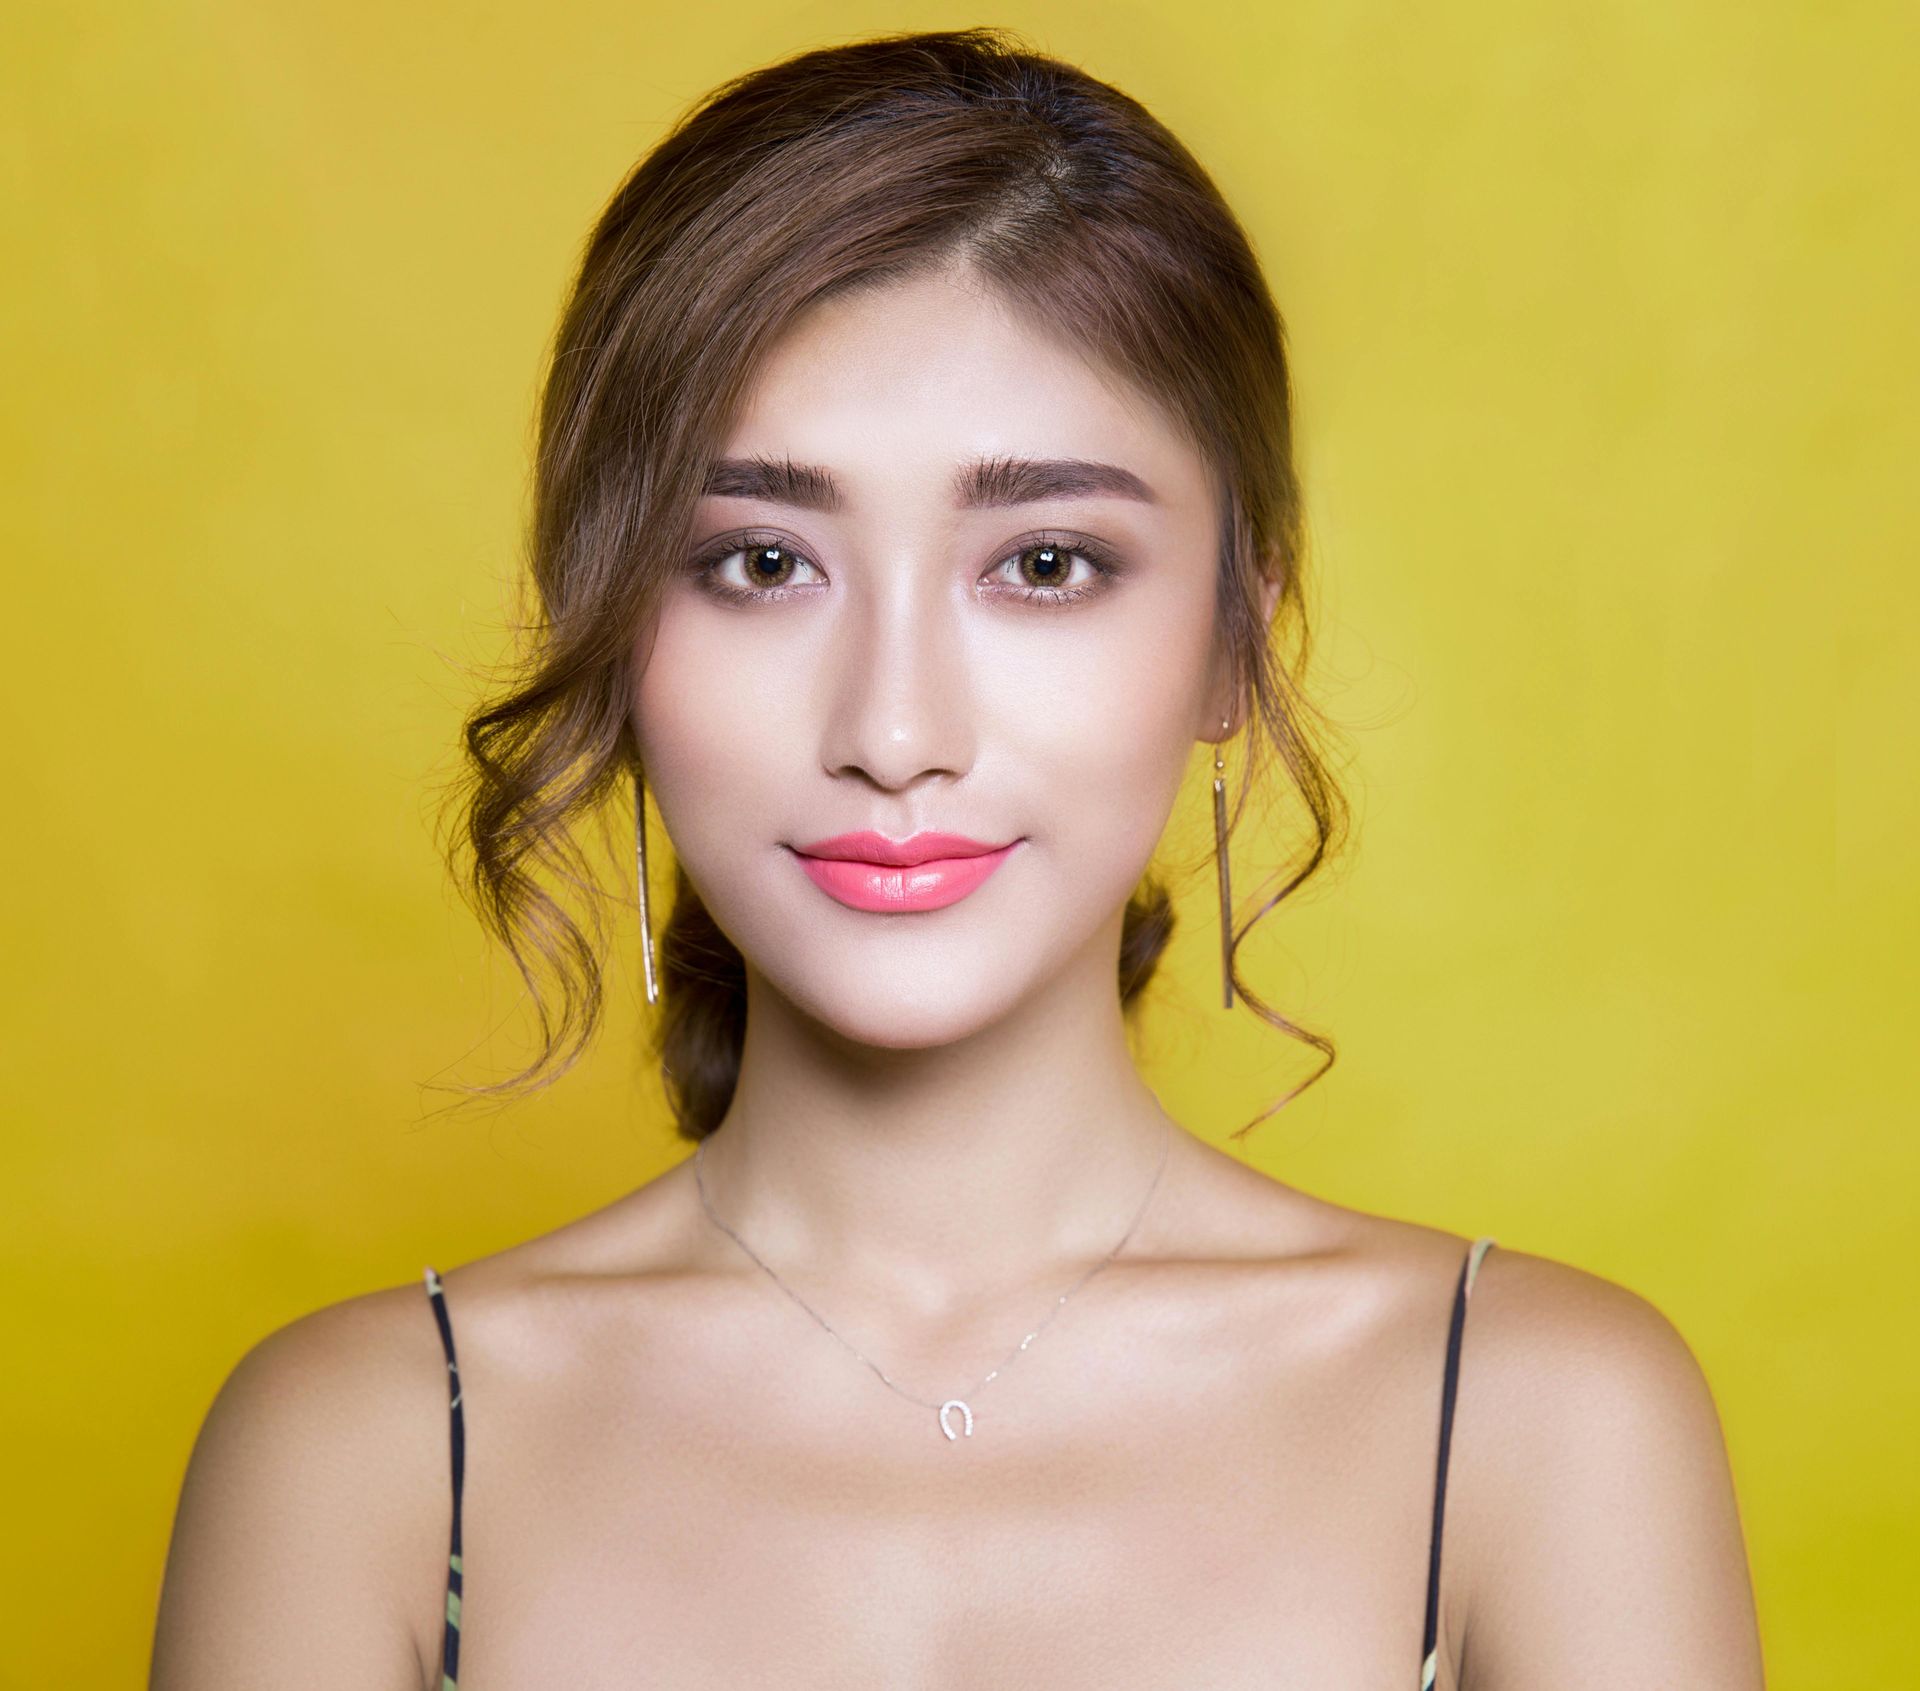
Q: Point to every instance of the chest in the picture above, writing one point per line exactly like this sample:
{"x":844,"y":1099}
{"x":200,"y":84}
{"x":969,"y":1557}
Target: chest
{"x":1227,"y":1532}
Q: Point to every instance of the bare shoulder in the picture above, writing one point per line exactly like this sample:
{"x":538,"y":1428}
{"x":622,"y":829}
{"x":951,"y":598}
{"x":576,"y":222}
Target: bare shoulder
{"x":1592,"y":1535}
{"x":1543,"y":1333}
{"x":1591,"y":1498}
{"x":312,"y":1519}
{"x":1546,"y":1325}
{"x":1577,"y":1380}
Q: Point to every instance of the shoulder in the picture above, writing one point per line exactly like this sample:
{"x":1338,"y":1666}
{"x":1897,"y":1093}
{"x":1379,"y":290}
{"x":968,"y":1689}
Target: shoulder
{"x":1538,"y":1335}
{"x":1581,"y":1385}
{"x":1547,"y":1328}
{"x":1578,"y":1371}
{"x":1590,"y":1496}
{"x":312,"y":1521}
{"x":348,"y":1378}
{"x":1542,"y":1341}
{"x":1592,"y":1534}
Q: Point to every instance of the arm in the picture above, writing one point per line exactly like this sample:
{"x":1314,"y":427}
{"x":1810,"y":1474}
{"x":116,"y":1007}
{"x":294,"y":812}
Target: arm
{"x":304,"y":1548}
{"x":1610,"y":1552}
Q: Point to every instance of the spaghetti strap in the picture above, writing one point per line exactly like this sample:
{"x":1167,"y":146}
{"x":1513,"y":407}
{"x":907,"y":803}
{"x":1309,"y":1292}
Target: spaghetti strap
{"x":450,"y":1632}
{"x":1429,"y":1646}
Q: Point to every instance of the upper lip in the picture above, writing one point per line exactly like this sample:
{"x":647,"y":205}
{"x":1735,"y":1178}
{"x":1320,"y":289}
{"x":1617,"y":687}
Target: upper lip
{"x":869,"y":847}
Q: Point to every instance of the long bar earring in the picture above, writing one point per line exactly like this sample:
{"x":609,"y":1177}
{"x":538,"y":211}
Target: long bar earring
{"x":1220,"y":865}
{"x":646,"y":917}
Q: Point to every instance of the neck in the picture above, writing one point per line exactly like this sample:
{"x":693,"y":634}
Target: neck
{"x":947,"y":1173}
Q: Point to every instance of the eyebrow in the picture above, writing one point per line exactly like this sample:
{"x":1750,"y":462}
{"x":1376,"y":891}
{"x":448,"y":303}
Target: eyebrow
{"x":986,"y":482}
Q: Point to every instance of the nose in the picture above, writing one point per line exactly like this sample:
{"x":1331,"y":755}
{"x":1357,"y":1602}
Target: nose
{"x":900,"y":705}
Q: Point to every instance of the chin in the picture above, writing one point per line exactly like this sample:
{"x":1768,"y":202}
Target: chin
{"x":919,"y":1007}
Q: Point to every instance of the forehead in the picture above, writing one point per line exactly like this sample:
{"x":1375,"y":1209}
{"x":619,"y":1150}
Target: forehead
{"x":917,"y":376}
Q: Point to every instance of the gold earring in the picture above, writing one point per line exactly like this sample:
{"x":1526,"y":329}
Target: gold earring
{"x":646,"y":918}
{"x":1220,"y":865}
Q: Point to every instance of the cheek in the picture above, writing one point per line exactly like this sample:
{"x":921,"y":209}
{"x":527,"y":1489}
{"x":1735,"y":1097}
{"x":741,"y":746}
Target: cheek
{"x":1102,"y":737}
{"x":707,"y":719}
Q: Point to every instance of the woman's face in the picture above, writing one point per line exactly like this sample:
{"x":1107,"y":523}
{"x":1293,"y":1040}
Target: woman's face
{"x":888,"y":640}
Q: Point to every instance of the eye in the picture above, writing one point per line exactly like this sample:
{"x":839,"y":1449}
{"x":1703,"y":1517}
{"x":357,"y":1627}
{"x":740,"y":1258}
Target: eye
{"x":1043,"y":570}
{"x":769,"y":566}
{"x":1042,"y":567}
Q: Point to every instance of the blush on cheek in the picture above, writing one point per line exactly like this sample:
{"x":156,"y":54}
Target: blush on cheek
{"x":1127,"y":736}
{"x":688,"y":699}
{"x":1105,"y":810}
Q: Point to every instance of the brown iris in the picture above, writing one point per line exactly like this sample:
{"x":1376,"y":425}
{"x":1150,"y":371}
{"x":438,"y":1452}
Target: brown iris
{"x":1055,"y":567}
{"x":759,"y":558}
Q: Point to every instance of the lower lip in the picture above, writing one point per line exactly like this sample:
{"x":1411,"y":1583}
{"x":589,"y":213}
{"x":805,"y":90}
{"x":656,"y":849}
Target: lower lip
{"x":886,"y":886}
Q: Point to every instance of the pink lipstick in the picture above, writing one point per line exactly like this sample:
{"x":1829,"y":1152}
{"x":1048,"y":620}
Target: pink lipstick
{"x":927,"y":871}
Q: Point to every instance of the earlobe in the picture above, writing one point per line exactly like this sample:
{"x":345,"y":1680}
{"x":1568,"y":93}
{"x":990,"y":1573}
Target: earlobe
{"x":1219,"y":722}
{"x":1219,"y":709}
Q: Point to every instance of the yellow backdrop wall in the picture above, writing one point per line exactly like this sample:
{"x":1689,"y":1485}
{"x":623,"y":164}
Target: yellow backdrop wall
{"x":1597,"y":315}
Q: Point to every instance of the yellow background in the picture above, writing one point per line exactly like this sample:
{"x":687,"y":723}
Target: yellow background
{"x":1603,"y":340}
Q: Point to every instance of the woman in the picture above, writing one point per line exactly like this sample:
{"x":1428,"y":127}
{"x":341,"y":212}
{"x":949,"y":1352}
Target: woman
{"x":915,"y":488}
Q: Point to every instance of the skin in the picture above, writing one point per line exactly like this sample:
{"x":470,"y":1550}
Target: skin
{"x":1214,"y":1468}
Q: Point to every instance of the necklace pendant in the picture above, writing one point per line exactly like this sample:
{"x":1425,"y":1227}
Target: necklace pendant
{"x":956,"y":1403}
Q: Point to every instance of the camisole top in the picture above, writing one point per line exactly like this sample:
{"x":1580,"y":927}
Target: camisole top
{"x":1430,"y":1624}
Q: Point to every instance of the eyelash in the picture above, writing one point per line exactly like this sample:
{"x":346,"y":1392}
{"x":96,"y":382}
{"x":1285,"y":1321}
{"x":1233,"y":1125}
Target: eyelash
{"x":708,"y":562}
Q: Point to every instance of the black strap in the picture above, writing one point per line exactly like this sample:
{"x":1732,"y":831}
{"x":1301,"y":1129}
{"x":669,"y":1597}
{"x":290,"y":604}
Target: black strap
{"x":1449,"y":1387}
{"x":450,"y":1633}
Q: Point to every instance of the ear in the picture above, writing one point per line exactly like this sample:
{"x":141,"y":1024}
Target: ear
{"x":1220,"y":702}
{"x":1269,"y":597}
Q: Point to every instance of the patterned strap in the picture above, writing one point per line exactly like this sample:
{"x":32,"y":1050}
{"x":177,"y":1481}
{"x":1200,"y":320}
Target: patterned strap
{"x":1429,"y":1646}
{"x":450,"y":1633}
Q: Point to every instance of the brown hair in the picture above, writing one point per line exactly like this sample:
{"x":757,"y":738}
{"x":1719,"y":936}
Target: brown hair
{"x":835,"y":169}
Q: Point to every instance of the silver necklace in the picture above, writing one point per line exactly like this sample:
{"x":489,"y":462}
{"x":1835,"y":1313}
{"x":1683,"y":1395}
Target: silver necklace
{"x":951,"y":1404}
